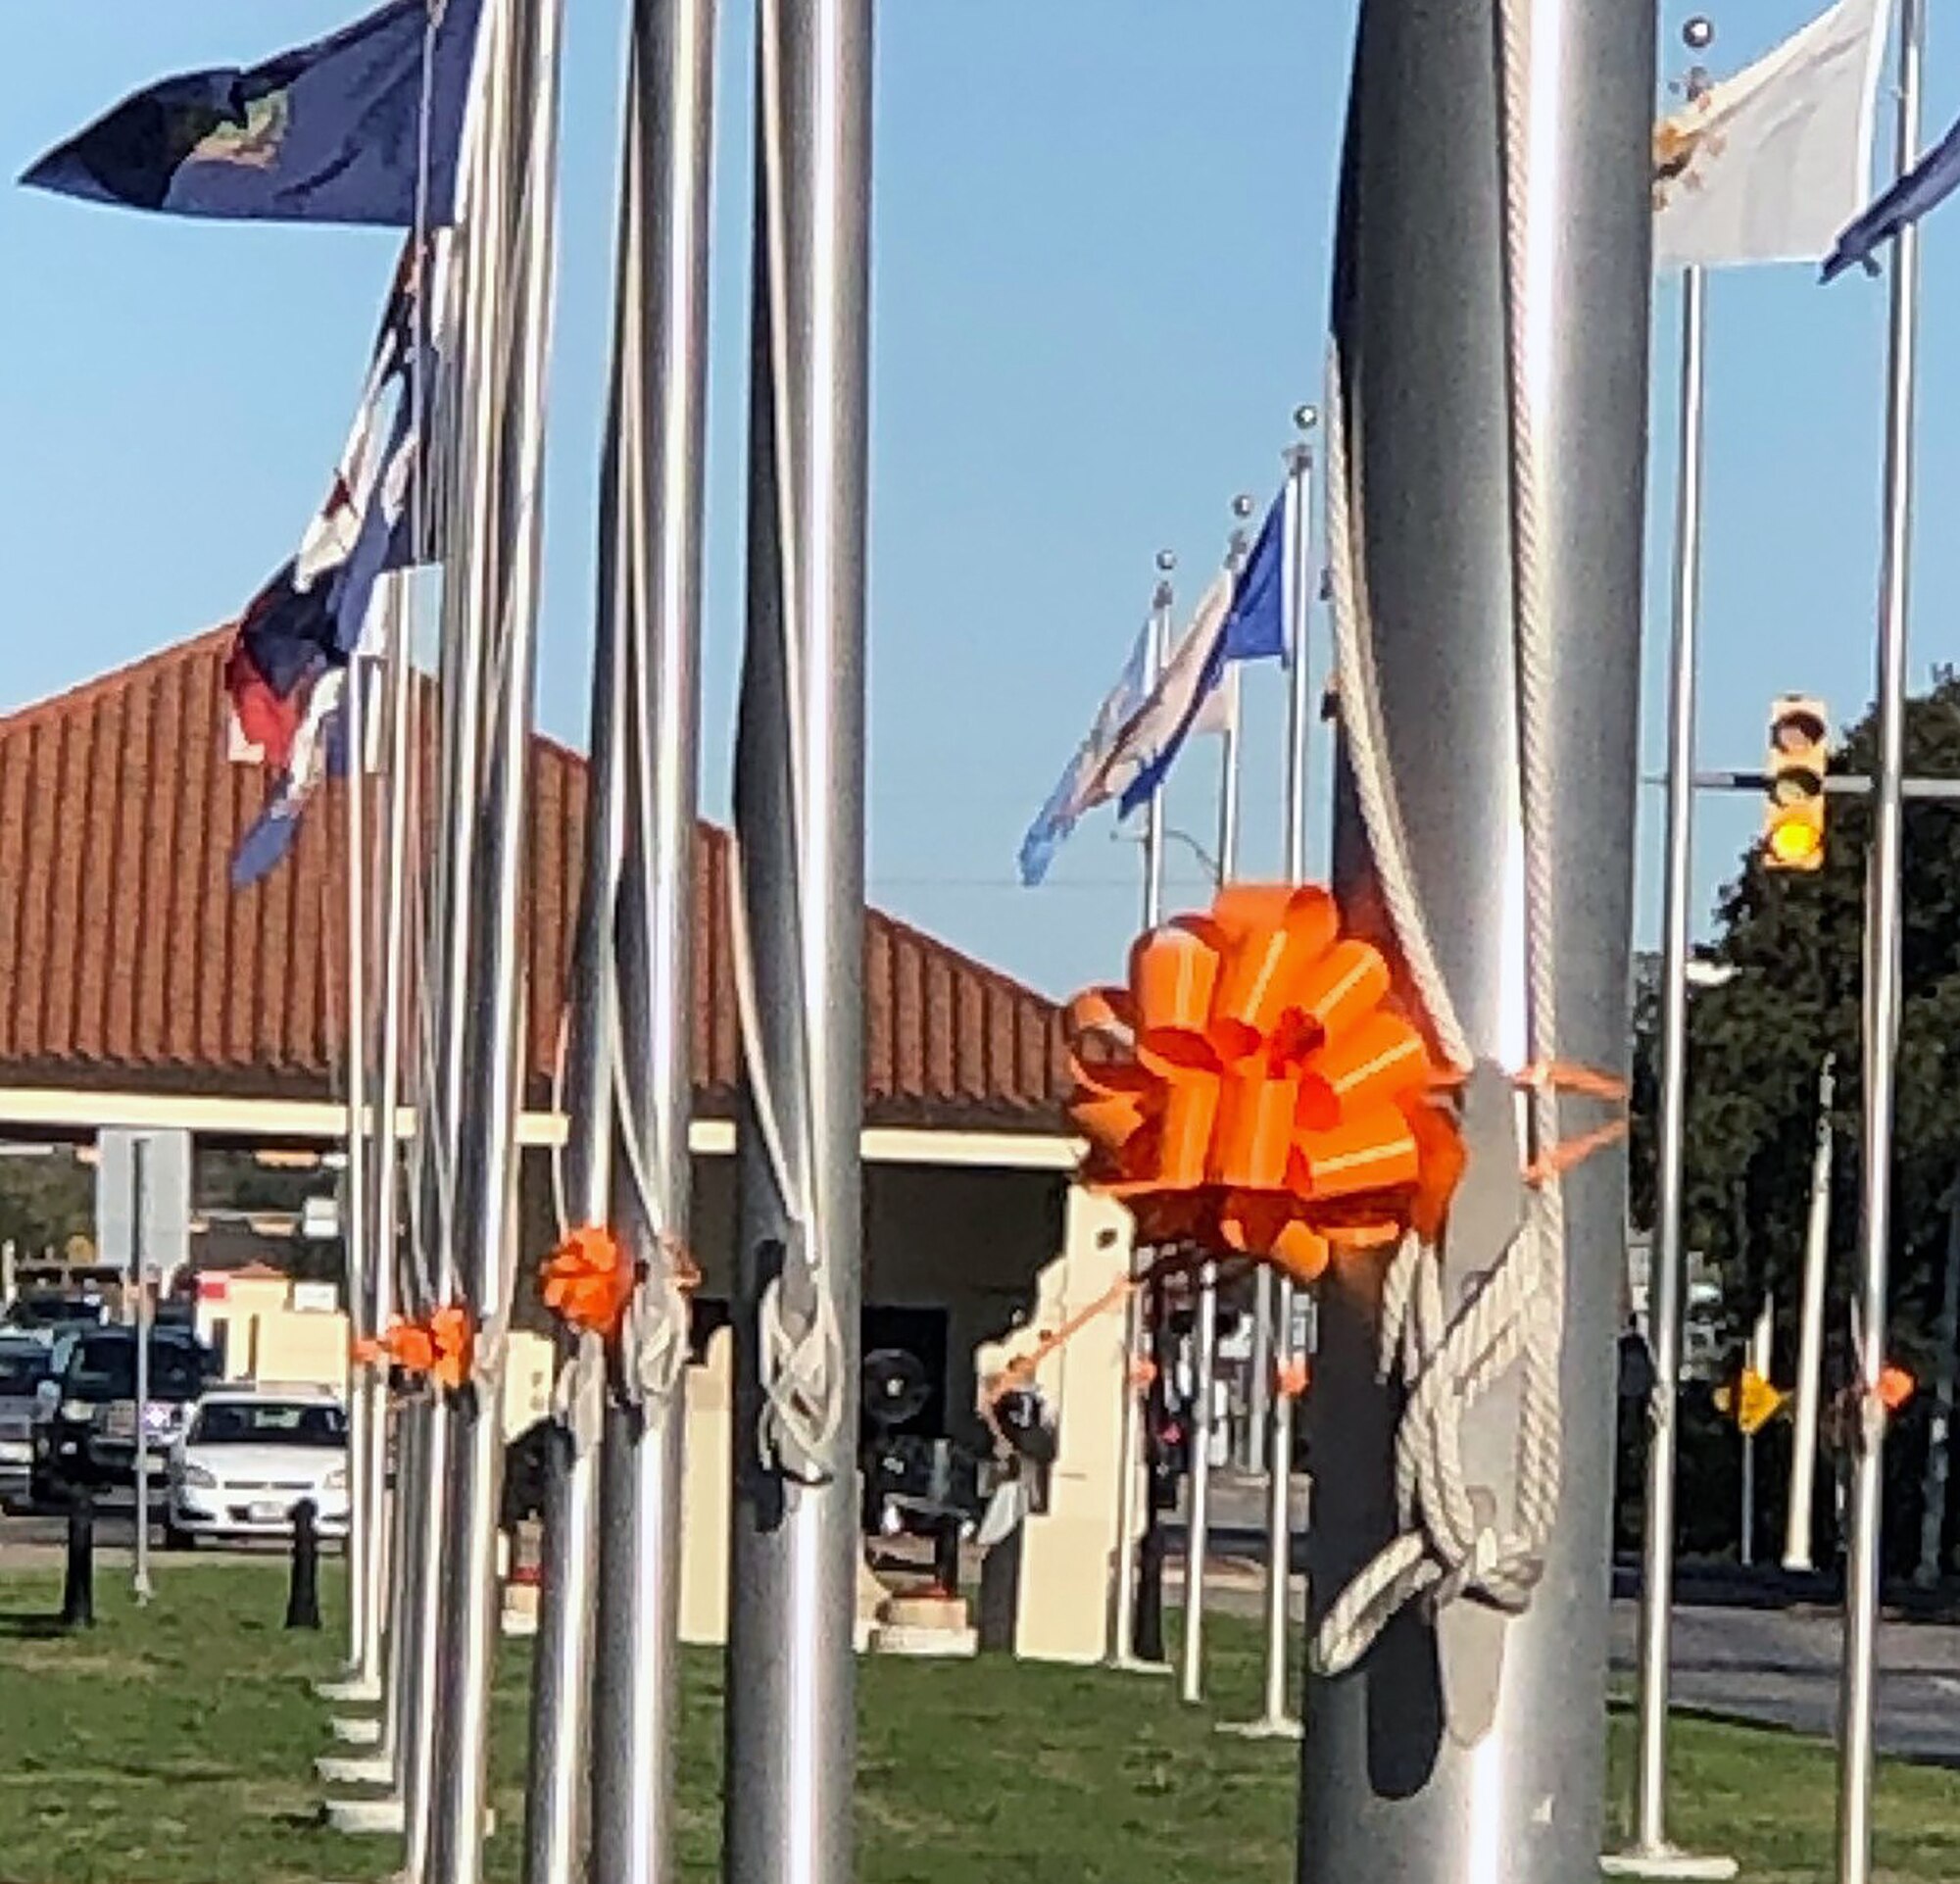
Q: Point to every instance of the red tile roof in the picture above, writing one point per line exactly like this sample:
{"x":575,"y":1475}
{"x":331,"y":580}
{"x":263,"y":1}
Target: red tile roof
{"x":127,"y":959}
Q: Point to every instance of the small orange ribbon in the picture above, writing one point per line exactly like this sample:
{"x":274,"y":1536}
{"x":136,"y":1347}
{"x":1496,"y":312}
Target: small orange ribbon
{"x":1252,"y":1089}
{"x":1895,"y":1388}
{"x":406,"y":1345}
{"x":453,"y":1341}
{"x":588,"y":1281}
{"x":1292,"y":1378}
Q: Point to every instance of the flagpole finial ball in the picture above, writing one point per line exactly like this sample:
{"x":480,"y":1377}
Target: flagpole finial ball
{"x":1698,"y":34}
{"x":1167,"y":561}
{"x":1305,"y":418}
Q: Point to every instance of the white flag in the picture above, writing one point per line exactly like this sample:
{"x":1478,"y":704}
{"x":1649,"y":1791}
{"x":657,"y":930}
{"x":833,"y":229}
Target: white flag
{"x":1770,"y":164}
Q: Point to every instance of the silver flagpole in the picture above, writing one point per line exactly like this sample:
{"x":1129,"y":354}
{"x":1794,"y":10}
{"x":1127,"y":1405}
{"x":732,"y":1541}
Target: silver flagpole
{"x":799,"y":902}
{"x":558,"y":1778}
{"x":1122,"y":1652}
{"x":364,"y":1625}
{"x":1205,"y":1335}
{"x":488,"y":1170}
{"x":1810,"y":1337}
{"x":1856,"y":1689}
{"x":1760,"y":1354}
{"x":1486,"y":468}
{"x":1276,"y":1719}
{"x":665,"y":235}
{"x":140,"y":1264}
{"x":1651,"y":1851}
{"x":1940,"y":1424}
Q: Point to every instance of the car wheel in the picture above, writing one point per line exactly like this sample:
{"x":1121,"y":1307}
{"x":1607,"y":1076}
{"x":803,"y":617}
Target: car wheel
{"x":177,"y":1539}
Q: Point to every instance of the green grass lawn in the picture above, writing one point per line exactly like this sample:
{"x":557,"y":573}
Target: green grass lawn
{"x":175,"y":1747}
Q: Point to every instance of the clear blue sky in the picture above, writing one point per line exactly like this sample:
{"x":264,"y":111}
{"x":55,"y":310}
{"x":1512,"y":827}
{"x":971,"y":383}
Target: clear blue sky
{"x":1102,"y":245}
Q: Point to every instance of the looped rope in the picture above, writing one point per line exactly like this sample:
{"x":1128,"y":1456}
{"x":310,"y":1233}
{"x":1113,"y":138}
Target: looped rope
{"x":801,"y":1366}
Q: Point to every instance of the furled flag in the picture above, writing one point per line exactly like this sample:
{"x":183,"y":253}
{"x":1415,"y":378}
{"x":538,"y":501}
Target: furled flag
{"x":1769,"y":165}
{"x":332,"y":132}
{"x":1927,"y":185}
{"x":1240,"y":617}
{"x":1081,"y":786}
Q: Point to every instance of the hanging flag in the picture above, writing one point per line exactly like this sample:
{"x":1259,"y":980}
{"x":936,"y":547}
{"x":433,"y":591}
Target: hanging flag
{"x":332,"y":132}
{"x":1769,"y":165}
{"x":1240,"y":617}
{"x":1080,"y":787}
{"x":317,"y":747}
{"x":1927,"y":186}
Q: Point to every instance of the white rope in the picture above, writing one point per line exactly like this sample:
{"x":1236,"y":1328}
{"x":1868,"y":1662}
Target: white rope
{"x":1452,"y":1540}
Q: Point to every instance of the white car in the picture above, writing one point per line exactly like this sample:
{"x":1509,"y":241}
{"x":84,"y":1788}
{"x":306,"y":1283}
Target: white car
{"x":249,"y":1457}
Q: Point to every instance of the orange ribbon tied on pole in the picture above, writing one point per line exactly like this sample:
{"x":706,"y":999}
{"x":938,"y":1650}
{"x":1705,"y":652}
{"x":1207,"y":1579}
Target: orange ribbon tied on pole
{"x":588,"y":1281}
{"x":1253,"y":1089}
{"x":452,"y":1341}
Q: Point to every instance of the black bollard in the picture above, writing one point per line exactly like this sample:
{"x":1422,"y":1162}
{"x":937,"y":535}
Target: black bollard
{"x":78,"y":1585}
{"x":302,"y":1598}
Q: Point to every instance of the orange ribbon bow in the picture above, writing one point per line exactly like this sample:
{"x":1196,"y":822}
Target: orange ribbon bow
{"x":442,"y":1348}
{"x":588,"y":1281}
{"x":1253,"y":1091}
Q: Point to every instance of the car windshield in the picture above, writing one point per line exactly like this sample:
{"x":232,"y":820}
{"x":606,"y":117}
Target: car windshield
{"x":268,"y":1422}
{"x":104,"y":1367}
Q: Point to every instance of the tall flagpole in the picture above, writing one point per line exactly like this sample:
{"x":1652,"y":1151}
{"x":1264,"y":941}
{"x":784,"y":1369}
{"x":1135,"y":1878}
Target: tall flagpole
{"x":1276,"y":1719}
{"x":798,"y":904}
{"x":1883,"y":916}
{"x":1809,"y":1395}
{"x":1651,"y":1851}
{"x":558,"y":1785}
{"x":665,"y":233}
{"x":1200,"y":1419}
{"x":362,"y":1623}
{"x":506,"y":579}
{"x":1131,"y":1520}
{"x":1487,"y":452}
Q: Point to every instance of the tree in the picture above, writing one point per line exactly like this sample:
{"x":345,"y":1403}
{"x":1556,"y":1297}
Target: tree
{"x":1796,"y":943}
{"x":44,"y":1200}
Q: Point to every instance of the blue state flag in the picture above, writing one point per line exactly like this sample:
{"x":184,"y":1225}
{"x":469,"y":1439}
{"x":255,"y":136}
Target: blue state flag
{"x":1924,"y":187}
{"x":1085,"y":782}
{"x":332,"y":132}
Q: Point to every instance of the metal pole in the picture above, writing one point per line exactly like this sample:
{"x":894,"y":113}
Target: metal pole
{"x":559,"y":1783}
{"x":363,"y":1633}
{"x":139,"y":1263}
{"x":1650,"y":1846}
{"x":800,"y":833}
{"x":665,"y":234}
{"x":1424,"y":460}
{"x":1868,"y":1322}
{"x":1136,"y":1336}
{"x":1940,"y":1426}
{"x":520,"y":297}
{"x":1204,"y":1368}
{"x":1277,"y":1720}
{"x":1762,"y":1351}
{"x":1810,"y":1337}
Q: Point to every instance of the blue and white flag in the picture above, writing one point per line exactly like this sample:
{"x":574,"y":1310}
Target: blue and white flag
{"x":1082,"y":785}
{"x":1240,"y":617}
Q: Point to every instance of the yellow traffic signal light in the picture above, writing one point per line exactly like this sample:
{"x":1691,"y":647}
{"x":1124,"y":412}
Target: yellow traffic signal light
{"x":1799,"y":756}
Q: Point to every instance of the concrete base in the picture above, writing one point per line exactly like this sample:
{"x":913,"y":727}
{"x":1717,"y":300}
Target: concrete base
{"x":1284,"y":1728}
{"x":356,"y":1730}
{"x":367,"y":1817}
{"x":356,"y":1770}
{"x":520,"y":1622}
{"x":1131,"y":1665}
{"x":360,"y":1690}
{"x":903,"y":1638}
{"x":1667,"y":1863}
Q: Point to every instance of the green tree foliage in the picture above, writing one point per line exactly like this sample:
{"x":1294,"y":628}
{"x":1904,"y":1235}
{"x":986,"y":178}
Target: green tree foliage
{"x":44,"y":1200}
{"x":1755,"y":1044}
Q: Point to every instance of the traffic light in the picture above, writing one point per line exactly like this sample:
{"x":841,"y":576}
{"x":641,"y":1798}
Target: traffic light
{"x":1800,"y":755}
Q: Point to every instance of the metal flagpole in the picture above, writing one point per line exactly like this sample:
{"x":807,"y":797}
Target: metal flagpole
{"x":363,"y":1631}
{"x":1486,"y":470}
{"x":1884,"y":911}
{"x":665,"y":237}
{"x":1277,"y":1720}
{"x":1940,"y":1426}
{"x":1810,"y":1338}
{"x":1760,"y":1352}
{"x":799,"y":909}
{"x":1130,"y":1520}
{"x":1651,"y":1851}
{"x":520,"y":300}
{"x":139,"y":1263}
{"x":1199,"y":1418}
{"x":558,"y":1778}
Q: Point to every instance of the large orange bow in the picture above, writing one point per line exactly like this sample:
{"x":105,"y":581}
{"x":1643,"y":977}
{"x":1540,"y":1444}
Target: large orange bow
{"x":588,"y":1281}
{"x":1252,"y":1090}
{"x":442,"y":1348}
